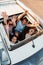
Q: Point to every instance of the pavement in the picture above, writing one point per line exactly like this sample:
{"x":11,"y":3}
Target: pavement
{"x":35,"y":5}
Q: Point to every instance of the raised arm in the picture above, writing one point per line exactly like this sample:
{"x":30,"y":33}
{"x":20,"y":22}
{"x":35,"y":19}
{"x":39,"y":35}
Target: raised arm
{"x":5,"y":16}
{"x":32,"y":25}
{"x":20,"y":16}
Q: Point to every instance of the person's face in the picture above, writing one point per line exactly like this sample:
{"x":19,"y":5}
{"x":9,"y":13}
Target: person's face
{"x":14,"y":39}
{"x":13,"y":18}
{"x":24,"y":22}
{"x":31,"y":31}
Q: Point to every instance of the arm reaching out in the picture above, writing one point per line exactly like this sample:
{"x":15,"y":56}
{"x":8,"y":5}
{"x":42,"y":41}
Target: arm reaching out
{"x":32,"y":25}
{"x":20,"y":16}
{"x":5,"y":16}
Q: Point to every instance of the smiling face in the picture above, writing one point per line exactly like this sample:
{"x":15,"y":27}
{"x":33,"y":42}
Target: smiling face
{"x":31,"y":31}
{"x":14,"y":18}
{"x":24,"y":20}
{"x":14,"y":39}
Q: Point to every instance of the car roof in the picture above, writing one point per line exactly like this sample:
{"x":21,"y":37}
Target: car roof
{"x":10,"y":7}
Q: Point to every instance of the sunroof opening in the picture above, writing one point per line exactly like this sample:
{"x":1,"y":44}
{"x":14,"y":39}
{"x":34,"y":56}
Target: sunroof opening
{"x":16,"y":36}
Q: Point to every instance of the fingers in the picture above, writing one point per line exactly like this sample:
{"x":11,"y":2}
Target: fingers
{"x":36,"y":24}
{"x":37,"y":20}
{"x":4,"y":15}
{"x":26,"y":12}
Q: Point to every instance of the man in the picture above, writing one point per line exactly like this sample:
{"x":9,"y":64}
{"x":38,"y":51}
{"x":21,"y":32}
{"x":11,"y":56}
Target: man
{"x":22,"y":23}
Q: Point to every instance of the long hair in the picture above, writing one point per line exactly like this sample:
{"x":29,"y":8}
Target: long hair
{"x":8,"y":21}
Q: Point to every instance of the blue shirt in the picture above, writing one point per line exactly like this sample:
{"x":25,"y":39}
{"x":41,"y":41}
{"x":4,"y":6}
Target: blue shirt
{"x":19,"y":26}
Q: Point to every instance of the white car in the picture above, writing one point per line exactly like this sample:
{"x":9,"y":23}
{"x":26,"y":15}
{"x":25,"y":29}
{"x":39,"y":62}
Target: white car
{"x":15,"y":53}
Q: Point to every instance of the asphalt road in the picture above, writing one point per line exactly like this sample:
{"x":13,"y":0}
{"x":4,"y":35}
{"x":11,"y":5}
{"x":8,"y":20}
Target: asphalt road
{"x":35,"y":5}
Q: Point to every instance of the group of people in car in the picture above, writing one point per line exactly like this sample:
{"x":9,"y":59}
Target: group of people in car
{"x":17,"y":27}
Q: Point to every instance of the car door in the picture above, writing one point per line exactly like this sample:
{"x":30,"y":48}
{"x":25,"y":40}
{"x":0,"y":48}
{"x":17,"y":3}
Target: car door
{"x":4,"y":56}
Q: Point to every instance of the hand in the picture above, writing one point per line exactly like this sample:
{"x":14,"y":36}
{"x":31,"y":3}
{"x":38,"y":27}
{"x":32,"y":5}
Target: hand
{"x":36,"y":24}
{"x":37,"y":20}
{"x":4,"y":14}
{"x":26,"y":11}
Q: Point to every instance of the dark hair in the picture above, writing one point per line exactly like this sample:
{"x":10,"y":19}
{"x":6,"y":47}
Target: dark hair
{"x":24,"y":18}
{"x":8,"y":20}
{"x":12,"y":37}
{"x":3,"y":23}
